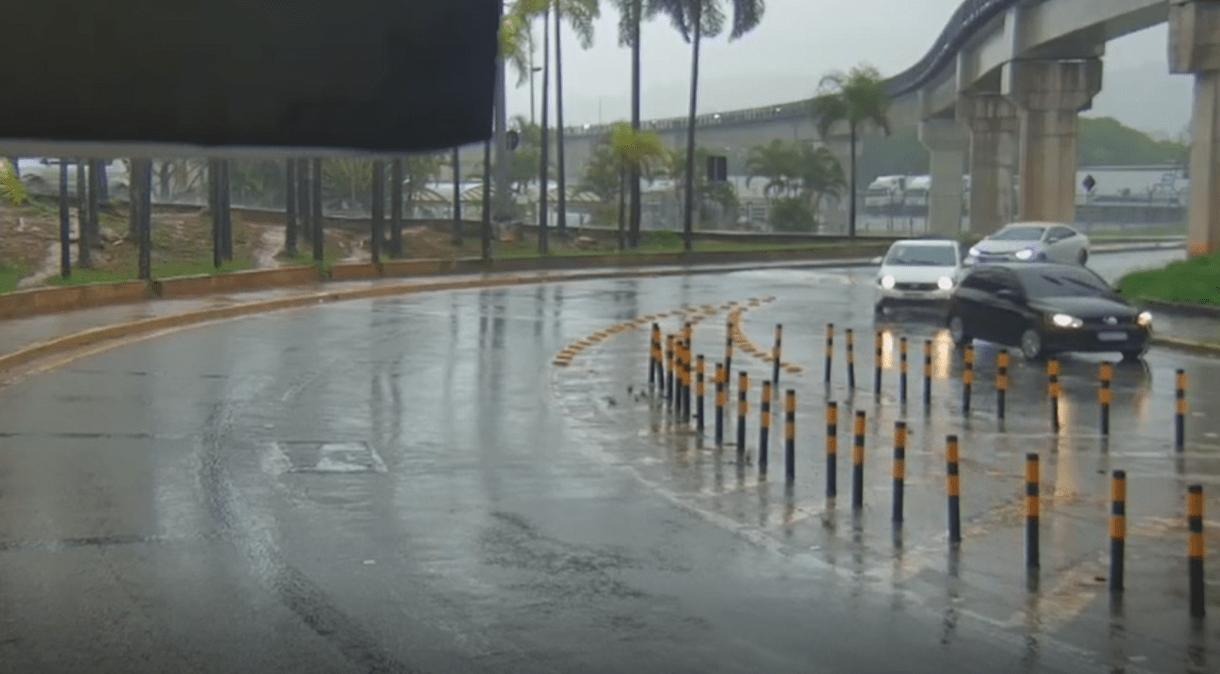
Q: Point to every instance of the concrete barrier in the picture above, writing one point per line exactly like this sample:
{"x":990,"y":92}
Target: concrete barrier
{"x":355,"y":272}
{"x":242,"y":281}
{"x":49,"y":300}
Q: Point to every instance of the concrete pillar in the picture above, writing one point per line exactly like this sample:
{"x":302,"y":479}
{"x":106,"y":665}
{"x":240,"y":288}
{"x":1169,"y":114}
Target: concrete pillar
{"x":947,"y":141}
{"x":1194,"y":47}
{"x":1049,"y":96}
{"x":992,"y":120}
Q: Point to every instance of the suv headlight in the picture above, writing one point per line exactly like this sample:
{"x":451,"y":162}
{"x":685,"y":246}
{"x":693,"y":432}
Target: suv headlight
{"x":974,"y":251}
{"x":1026,"y":254}
{"x":944,"y":283}
{"x":1144,"y":319}
{"x":1066,"y":321}
{"x":887,"y":282}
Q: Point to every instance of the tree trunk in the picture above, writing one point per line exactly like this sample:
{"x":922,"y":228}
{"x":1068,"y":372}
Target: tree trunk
{"x":396,"y":207}
{"x":144,"y":216}
{"x":377,"y":212}
{"x":65,"y":219}
{"x":290,"y":207}
{"x":502,"y":208}
{"x":224,"y":192}
{"x":485,"y":234}
{"x":851,"y":207}
{"x":688,"y":221}
{"x":83,"y":198}
{"x":636,"y":207}
{"x":305,"y":197}
{"x":213,"y":209}
{"x":133,"y":200}
{"x":622,"y":208}
{"x":97,"y":196}
{"x":457,"y":197}
{"x":561,"y":206}
{"x":543,"y":180}
{"x":163,"y":178}
{"x":315,"y":209}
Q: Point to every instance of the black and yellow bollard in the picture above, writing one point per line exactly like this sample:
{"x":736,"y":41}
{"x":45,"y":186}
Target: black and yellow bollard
{"x":743,"y":408}
{"x":654,"y":356}
{"x":720,"y":401}
{"x":832,"y":449}
{"x":830,"y":350}
{"x":954,"y":489}
{"x":679,"y":379}
{"x":1118,"y":528}
{"x":1031,"y":511}
{"x":1001,"y":384}
{"x":688,"y":364}
{"x":851,"y":359}
{"x":700,"y":391}
{"x":728,"y":356}
{"x":927,"y":373}
{"x":790,"y":436}
{"x":764,"y":425}
{"x":669,"y":370}
{"x":777,"y":356}
{"x":900,"y":468}
{"x":1179,"y":418}
{"x":857,"y":463}
{"x":967,"y":378}
{"x":1105,"y":395}
{"x":1194,"y":522}
{"x":1054,"y":390}
{"x":904,"y":368}
{"x":878,"y":361}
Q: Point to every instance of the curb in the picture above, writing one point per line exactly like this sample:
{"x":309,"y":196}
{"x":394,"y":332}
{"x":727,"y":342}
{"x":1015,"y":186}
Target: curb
{"x":1187,"y":345}
{"x":93,"y":336}
{"x":1191,"y":310}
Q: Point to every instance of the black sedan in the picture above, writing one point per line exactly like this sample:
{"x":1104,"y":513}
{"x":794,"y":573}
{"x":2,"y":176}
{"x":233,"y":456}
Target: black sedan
{"x":1046,"y":308}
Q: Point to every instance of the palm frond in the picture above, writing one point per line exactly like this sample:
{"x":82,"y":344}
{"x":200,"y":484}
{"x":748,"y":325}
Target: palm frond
{"x":12,"y":190}
{"x":747,"y":14}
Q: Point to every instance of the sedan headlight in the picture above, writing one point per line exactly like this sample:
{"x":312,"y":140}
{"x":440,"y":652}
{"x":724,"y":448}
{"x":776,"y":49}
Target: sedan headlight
{"x":887,"y":282}
{"x":1066,"y":321}
{"x":1026,"y":254}
{"x":944,"y":283}
{"x":1144,"y":319}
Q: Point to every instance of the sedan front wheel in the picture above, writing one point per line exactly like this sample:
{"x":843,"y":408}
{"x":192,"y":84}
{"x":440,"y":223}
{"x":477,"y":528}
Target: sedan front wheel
{"x":1031,"y":344}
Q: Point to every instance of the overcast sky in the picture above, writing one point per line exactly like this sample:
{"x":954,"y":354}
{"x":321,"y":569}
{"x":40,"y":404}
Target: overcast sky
{"x":798,"y":42}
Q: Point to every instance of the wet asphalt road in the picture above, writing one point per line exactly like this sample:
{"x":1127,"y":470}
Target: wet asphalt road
{"x":409,"y":484}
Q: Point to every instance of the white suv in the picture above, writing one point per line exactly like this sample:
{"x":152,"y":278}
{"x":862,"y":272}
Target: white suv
{"x":918,"y":271}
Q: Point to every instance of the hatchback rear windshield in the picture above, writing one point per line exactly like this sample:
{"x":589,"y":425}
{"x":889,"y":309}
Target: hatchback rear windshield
{"x":1063,"y":283}
{"x":1019,"y":234}
{"x":906,"y":255}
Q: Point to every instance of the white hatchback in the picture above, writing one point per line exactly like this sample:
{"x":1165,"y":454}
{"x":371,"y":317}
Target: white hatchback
{"x":918,"y":271}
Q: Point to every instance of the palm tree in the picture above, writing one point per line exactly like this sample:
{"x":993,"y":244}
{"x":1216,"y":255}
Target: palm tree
{"x":857,"y":98}
{"x":697,"y":19}
{"x":635,"y":153}
{"x":777,"y":162}
{"x":631,"y":14}
{"x":580,"y":15}
{"x":820,"y":175}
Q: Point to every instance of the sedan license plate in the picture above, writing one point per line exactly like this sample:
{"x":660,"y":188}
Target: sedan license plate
{"x":1112,"y":336}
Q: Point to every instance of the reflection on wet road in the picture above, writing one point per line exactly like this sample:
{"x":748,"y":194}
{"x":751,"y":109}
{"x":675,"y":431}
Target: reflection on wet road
{"x":419,"y":484}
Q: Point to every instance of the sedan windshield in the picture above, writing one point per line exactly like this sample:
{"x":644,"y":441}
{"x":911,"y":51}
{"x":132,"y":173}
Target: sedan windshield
{"x":1069,"y":282}
{"x":921,"y":256}
{"x":1019,"y":234}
